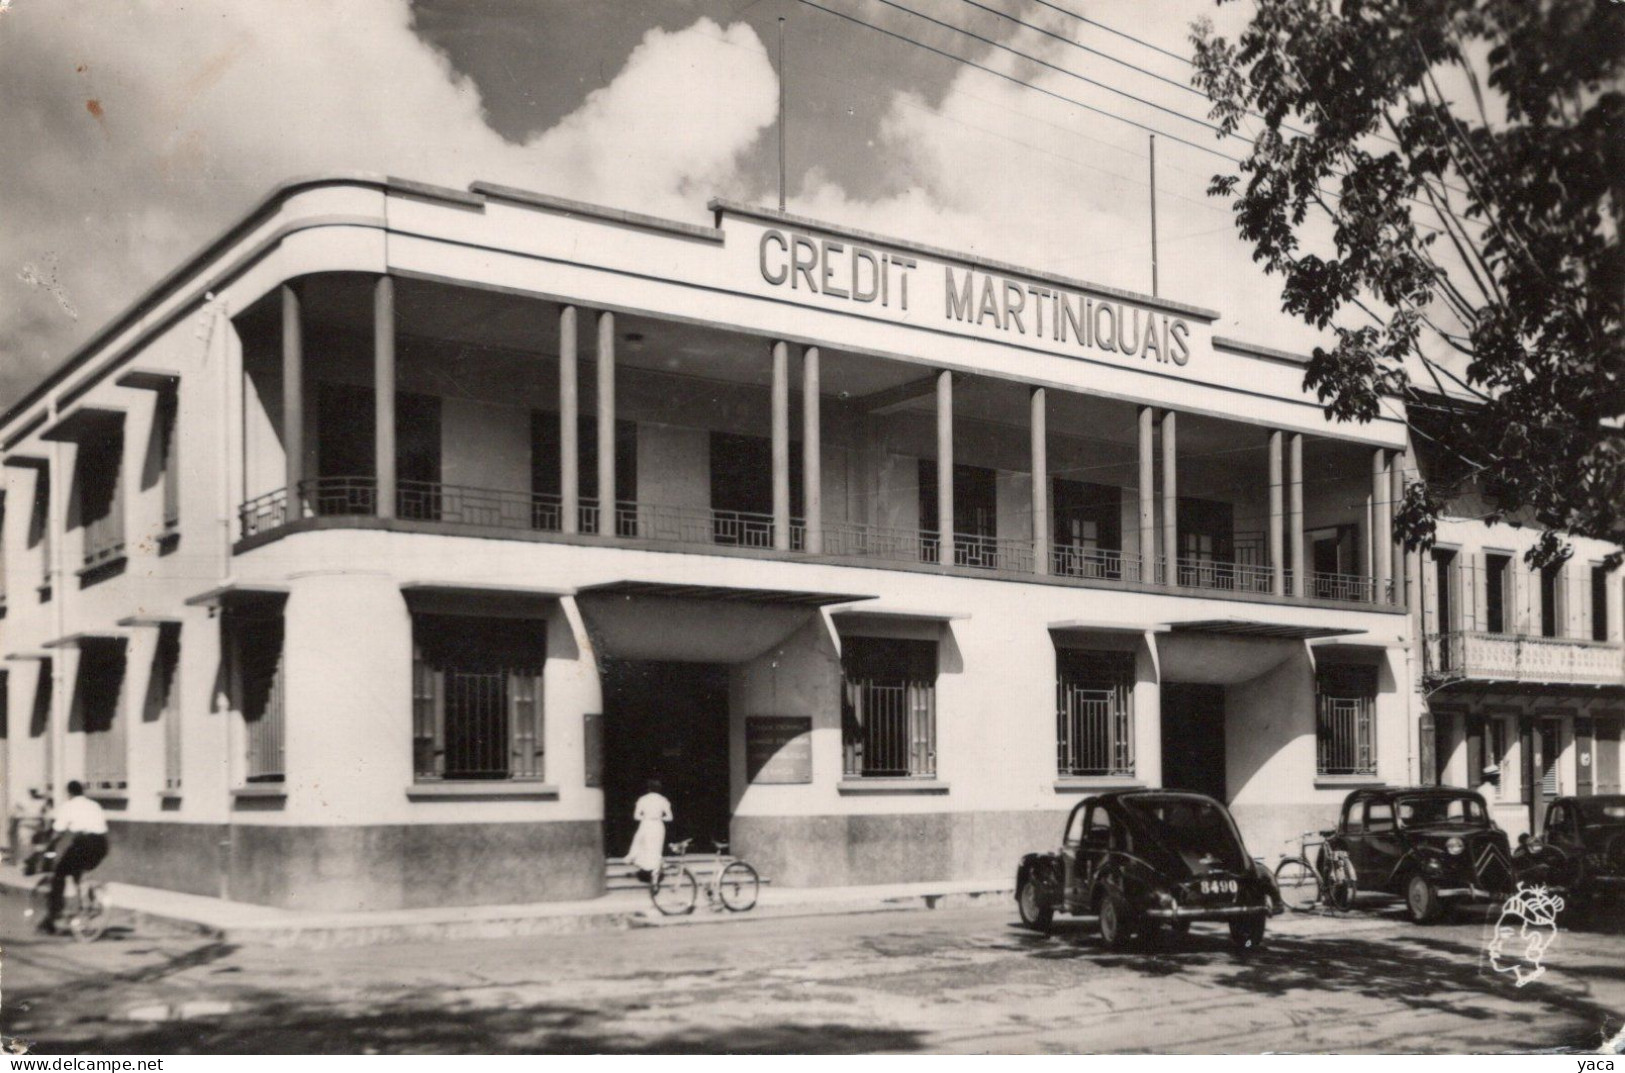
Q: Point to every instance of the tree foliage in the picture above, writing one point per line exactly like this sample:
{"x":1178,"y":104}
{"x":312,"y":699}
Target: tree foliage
{"x":1466,"y":159}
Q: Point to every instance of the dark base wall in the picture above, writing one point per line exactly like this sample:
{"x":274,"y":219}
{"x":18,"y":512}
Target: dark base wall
{"x":833,"y":851}
{"x":337,"y":869}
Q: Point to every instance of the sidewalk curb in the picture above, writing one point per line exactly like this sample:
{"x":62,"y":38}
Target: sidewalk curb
{"x":288,"y":929}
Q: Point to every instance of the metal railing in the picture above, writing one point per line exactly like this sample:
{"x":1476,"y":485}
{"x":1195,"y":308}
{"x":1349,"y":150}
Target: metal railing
{"x":1226,"y":576}
{"x":890,"y":728}
{"x":1105,"y":564}
{"x":700,"y":525}
{"x":1521,"y":658}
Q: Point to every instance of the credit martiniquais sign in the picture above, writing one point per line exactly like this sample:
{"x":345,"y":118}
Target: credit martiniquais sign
{"x":967,"y":296}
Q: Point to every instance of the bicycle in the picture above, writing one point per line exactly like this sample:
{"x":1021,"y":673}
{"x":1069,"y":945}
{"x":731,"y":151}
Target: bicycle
{"x":1329,"y":880}
{"x":85,"y":910}
{"x":733,"y":885}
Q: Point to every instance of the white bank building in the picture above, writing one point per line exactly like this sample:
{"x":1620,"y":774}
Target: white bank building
{"x":381,"y":553}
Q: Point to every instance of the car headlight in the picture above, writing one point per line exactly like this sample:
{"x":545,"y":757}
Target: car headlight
{"x":1166,"y":900}
{"x":1455,"y":846}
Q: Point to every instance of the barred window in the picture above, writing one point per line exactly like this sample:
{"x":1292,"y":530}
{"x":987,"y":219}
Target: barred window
{"x":1345,"y":721}
{"x":477,"y":697}
{"x":1094,"y":713}
{"x":889,"y":708}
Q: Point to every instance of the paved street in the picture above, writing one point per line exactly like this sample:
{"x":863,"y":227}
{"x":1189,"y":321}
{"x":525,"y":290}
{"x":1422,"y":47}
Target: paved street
{"x":961,"y":980}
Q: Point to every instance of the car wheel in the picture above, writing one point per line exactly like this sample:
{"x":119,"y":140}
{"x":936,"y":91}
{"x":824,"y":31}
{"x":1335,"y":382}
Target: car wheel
{"x":1033,"y":914}
{"x":1247,"y":934}
{"x":1116,"y":923}
{"x":1422,"y":900}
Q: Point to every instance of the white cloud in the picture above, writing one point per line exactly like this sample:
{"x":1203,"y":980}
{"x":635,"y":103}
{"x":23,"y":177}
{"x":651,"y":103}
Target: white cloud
{"x":136,"y":131}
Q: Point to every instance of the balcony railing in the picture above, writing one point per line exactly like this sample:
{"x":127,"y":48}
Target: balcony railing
{"x":1101,"y":564}
{"x":1518,"y":658}
{"x":486,"y":508}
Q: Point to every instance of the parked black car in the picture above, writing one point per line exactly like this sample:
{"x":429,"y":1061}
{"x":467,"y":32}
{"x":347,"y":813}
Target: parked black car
{"x":1581,"y":852}
{"x":1139,"y":859}
{"x":1432,"y":846}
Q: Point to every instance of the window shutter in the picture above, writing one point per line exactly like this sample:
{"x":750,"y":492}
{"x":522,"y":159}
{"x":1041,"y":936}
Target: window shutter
{"x":1585,"y":758}
{"x":1527,"y":740}
{"x":1606,"y":752}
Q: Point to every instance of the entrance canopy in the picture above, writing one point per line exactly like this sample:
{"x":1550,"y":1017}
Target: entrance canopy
{"x":696,"y":623}
{"x":1228,"y":651}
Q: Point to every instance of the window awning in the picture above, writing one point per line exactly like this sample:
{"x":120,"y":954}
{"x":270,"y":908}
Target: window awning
{"x":1083,"y":625}
{"x":1274,"y":631}
{"x":28,"y":461}
{"x":728,"y":593}
{"x":910,"y":613}
{"x":82,"y":424}
{"x":237,"y":591}
{"x":477,"y":588}
{"x":75,"y":640}
{"x":150,"y":620}
{"x":149,"y":379}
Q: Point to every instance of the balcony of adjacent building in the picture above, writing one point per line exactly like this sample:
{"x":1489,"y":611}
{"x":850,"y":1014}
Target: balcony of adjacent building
{"x":508,"y":417}
{"x":1508,"y":625}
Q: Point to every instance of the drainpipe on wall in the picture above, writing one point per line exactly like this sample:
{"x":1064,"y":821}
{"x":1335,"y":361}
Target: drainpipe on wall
{"x":56,"y":518}
{"x":216,"y":348}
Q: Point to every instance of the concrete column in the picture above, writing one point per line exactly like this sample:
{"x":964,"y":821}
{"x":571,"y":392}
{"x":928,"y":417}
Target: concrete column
{"x":1170,"y":494}
{"x":1277,"y":519}
{"x":945,"y":467}
{"x":781,"y":446}
{"x":293,"y":400}
{"x":812,"y":446}
{"x":1148,"y":495}
{"x":383,"y":367}
{"x":1040,"y":434}
{"x":1396,"y":496}
{"x":1382,"y":528}
{"x":569,"y":425}
{"x":1300,"y":563}
{"x":606,"y":423}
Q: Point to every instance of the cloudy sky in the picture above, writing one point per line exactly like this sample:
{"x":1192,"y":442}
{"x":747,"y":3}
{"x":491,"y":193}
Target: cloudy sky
{"x":132,"y":132}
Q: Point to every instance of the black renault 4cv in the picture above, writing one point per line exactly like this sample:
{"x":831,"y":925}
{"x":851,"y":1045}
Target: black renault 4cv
{"x":1432,"y":846}
{"x":1141,"y":859}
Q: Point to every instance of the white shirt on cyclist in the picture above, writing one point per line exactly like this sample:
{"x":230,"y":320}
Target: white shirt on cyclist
{"x":81,"y":816}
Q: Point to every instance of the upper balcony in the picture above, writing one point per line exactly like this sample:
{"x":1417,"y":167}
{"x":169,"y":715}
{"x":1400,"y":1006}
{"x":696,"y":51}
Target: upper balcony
{"x":1489,"y":658}
{"x":718,"y":441}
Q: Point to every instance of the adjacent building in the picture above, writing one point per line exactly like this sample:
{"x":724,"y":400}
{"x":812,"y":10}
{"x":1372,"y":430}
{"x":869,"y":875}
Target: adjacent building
{"x":382,"y":552}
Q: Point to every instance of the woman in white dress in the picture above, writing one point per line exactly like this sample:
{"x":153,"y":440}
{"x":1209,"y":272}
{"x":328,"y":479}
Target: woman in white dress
{"x":652,"y":812}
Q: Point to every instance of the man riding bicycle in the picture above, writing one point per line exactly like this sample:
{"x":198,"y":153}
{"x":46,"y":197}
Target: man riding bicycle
{"x":80,"y":829}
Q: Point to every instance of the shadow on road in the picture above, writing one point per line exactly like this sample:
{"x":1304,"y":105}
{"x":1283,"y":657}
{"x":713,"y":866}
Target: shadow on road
{"x":1422,"y":972}
{"x":265,"y":1022}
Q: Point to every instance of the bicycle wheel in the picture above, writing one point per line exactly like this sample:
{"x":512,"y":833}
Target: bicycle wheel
{"x":674,"y":891}
{"x":1300,"y":886}
{"x":39,"y":900}
{"x":89,"y":920}
{"x":739,"y":886}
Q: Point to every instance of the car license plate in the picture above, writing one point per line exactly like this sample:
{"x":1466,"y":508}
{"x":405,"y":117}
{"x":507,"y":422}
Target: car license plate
{"x":1217,"y":888}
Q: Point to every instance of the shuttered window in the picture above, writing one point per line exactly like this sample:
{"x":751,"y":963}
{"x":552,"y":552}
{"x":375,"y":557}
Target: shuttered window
{"x":100,"y":710}
{"x":1345,"y":721}
{"x":258,"y":672}
{"x":477,"y":698}
{"x":889,"y":708}
{"x":1094,"y":713}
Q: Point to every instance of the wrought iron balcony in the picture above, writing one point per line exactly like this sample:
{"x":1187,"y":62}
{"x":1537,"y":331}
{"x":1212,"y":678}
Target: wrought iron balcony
{"x":1496,"y":657}
{"x":486,"y":509}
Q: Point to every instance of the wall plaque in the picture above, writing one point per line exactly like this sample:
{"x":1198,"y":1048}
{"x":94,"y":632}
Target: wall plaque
{"x":778,"y":748}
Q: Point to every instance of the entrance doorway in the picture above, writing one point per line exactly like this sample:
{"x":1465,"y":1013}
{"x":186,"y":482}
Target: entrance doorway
{"x":1193,"y":738}
{"x":667,"y":721}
